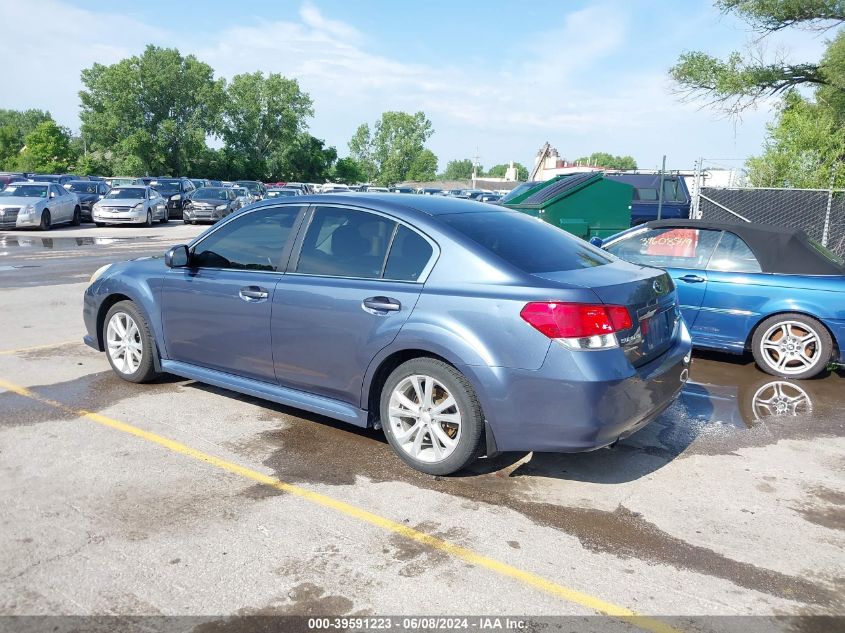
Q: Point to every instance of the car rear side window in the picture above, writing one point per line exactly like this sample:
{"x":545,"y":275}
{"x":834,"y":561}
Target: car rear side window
{"x":345,"y":243}
{"x":531,"y":245}
{"x":733,"y":255}
{"x":668,"y":248}
{"x":254,"y":241}
{"x":409,"y":255}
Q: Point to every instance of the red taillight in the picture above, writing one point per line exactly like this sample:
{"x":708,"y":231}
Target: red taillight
{"x":575,"y":320}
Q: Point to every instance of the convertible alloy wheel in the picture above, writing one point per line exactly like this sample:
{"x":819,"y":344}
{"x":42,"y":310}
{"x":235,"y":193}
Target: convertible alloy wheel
{"x":124,"y":343}
{"x":424,"y":418}
{"x":790,"y":348}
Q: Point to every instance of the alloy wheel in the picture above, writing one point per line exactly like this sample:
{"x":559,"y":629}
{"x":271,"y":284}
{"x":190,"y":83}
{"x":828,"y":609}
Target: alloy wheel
{"x":790,"y":347}
{"x":123,"y":340}
{"x":424,"y":418}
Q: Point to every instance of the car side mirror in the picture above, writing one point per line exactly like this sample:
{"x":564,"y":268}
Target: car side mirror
{"x":596,"y":241}
{"x":52,"y":194}
{"x":177,"y":257}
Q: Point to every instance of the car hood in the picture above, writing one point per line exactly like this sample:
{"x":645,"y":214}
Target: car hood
{"x":22,"y":201}
{"x":214,"y":201}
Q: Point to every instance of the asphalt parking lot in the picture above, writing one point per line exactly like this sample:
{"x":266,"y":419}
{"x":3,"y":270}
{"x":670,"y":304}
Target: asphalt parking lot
{"x":182,"y":499}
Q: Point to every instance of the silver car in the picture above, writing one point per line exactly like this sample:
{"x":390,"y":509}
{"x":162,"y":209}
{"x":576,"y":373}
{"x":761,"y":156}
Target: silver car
{"x":131,"y":205}
{"x":243,"y":195}
{"x":38,"y":205}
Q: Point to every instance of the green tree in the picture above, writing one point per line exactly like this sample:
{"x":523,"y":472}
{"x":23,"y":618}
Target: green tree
{"x":388,"y":152}
{"x":152,"y":111}
{"x":349,"y":171}
{"x":264,"y":126}
{"x":424,"y":167}
{"x":499,"y":171}
{"x":15,"y":125}
{"x":305,"y":159}
{"x":603,"y":159}
{"x":47,"y":149}
{"x":459,"y":170}
{"x":739,"y":81}
{"x":804,"y":148}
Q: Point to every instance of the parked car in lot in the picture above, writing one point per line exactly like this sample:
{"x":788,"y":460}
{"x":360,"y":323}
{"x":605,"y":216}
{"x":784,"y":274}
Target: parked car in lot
{"x":210,"y":204}
{"x":402,"y":189}
{"x":430,"y":191}
{"x":59,"y":179}
{"x":38,"y":205}
{"x":199,"y":183}
{"x":257,"y":189}
{"x":243,"y":195}
{"x":121,"y":181}
{"x":7,"y":178}
{"x":131,"y":205}
{"x":489,"y":197}
{"x":335,"y":187}
{"x":88,"y":192}
{"x":458,"y":328}
{"x":754,"y":287}
{"x":283,"y":192}
{"x":175,"y":191}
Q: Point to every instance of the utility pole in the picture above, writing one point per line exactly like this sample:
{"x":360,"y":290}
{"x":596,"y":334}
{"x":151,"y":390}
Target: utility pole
{"x":660,"y":191}
{"x":475,"y":165}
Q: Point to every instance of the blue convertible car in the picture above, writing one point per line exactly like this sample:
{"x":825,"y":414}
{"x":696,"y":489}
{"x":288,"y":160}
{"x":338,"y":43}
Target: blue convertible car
{"x":457,"y":327}
{"x":749,"y":286}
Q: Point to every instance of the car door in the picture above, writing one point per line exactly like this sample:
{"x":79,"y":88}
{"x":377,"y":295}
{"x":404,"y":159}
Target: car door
{"x":355,"y":278}
{"x":682,"y":252}
{"x":216,"y":312}
{"x":62,"y":203}
{"x":736,"y":291}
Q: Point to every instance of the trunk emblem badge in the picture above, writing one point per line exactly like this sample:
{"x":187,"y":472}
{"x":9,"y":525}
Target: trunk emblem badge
{"x":658,"y":286}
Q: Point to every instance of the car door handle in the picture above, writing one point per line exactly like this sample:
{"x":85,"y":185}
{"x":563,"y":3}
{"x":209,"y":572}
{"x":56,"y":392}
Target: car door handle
{"x":253,"y":293}
{"x":380,"y":305}
{"x":692,"y":279}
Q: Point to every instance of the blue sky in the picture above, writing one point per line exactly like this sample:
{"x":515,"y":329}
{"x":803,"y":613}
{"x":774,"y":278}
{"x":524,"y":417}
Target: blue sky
{"x":497,"y":76}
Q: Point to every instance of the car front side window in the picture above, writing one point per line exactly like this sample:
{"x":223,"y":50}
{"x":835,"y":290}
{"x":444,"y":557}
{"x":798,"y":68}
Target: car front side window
{"x":668,"y":247}
{"x":254,"y":241}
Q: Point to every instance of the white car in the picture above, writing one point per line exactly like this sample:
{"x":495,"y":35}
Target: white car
{"x":334,"y":187}
{"x":131,"y":205}
{"x":38,"y":205}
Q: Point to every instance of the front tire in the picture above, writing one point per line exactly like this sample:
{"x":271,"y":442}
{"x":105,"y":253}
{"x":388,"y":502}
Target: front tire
{"x":77,"y":217}
{"x":431,"y":416}
{"x":149,"y":221}
{"x":46,"y":222}
{"x":99,"y":224}
{"x":128,"y":343}
{"x":792,"y":345}
{"x":166,"y":217}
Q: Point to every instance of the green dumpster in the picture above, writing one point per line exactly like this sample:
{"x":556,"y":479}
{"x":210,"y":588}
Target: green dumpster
{"x":585,"y":204}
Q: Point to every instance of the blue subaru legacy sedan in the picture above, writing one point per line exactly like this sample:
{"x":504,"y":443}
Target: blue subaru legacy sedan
{"x":755,"y":287}
{"x":460,"y":329}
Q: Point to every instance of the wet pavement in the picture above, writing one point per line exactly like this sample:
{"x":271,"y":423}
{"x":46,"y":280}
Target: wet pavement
{"x":732,"y":502}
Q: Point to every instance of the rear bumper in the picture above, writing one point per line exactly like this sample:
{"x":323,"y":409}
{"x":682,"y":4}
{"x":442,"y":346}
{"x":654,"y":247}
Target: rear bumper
{"x":580,"y":401}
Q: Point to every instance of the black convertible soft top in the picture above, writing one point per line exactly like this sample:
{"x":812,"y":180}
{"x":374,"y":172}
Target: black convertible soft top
{"x":778,"y":250}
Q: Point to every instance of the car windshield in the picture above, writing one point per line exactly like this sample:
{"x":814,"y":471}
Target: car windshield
{"x":211,"y":193}
{"x":128,"y":193}
{"x":82,"y":187}
{"x":24,"y":191}
{"x":529,"y":244}
{"x":239,"y":191}
{"x":165,"y":186}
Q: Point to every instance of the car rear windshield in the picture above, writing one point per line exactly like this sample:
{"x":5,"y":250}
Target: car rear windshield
{"x":828,"y":254}
{"x":254,"y":187}
{"x":82,"y":187}
{"x":529,"y":244}
{"x":165,"y":185}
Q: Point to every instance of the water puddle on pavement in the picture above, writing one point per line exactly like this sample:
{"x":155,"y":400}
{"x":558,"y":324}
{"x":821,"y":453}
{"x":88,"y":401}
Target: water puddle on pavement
{"x":62,"y":243}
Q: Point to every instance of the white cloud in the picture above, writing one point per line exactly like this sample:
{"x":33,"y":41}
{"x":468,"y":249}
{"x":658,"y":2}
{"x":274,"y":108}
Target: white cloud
{"x":544,"y":89}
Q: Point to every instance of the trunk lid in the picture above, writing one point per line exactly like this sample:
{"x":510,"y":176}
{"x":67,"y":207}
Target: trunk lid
{"x":648,"y":293}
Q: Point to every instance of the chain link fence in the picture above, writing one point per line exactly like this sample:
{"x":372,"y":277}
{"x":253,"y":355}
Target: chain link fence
{"x":819,"y":212}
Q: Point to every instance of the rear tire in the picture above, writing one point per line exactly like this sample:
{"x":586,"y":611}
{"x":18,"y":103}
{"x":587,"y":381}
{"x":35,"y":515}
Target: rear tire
{"x":77,"y":217}
{"x":149,"y":221}
{"x":129,"y":343}
{"x":166,"y":218}
{"x":46,"y":223}
{"x":99,"y":224}
{"x":438,"y":401}
{"x":792,"y":345}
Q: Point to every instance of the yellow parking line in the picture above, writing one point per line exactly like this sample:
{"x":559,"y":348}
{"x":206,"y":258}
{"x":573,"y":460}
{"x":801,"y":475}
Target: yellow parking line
{"x":6,"y":352}
{"x":462,"y":553}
